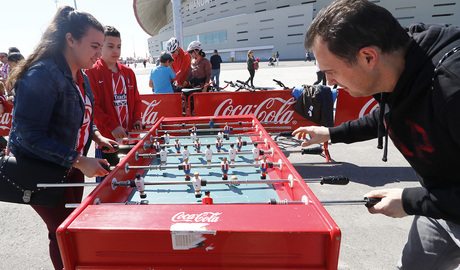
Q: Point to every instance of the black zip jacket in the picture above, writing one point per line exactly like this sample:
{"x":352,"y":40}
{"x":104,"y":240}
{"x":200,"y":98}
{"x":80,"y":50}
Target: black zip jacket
{"x":422,"y":117}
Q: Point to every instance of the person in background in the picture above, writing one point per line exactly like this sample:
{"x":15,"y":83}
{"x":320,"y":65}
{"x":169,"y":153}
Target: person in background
{"x":53,"y":109}
{"x":117,"y":109}
{"x":307,"y":56}
{"x":250,"y":61}
{"x":415,"y":78}
{"x":200,"y":70}
{"x":3,"y":66}
{"x":162,"y":75}
{"x":216,"y":60}
{"x":320,"y":76}
{"x":13,"y":60}
{"x":182,"y":61}
{"x":277,"y":57}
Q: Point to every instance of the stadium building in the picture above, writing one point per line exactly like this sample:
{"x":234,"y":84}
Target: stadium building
{"x":265,"y":26}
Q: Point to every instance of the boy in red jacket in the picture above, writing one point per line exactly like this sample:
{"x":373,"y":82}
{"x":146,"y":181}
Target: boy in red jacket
{"x":117,"y":107}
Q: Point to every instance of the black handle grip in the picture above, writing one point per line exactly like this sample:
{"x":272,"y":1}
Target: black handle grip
{"x":115,"y":146}
{"x":106,"y":167}
{"x":312,"y":151}
{"x":286,"y":134}
{"x":139,"y":126}
{"x":371,"y":201}
{"x":335,"y":180}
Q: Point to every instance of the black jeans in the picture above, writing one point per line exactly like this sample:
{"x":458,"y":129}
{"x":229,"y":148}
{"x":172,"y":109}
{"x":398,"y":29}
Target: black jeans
{"x":252,"y":72}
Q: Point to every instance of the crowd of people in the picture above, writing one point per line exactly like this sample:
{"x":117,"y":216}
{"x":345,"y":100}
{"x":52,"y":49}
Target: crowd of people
{"x":178,"y":69}
{"x":72,"y":90}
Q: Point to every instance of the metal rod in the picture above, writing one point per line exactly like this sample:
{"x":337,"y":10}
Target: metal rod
{"x":333,"y":180}
{"x":129,"y":139}
{"x":368,"y":202}
{"x":149,"y":155}
{"x":138,"y":132}
{"x":204,"y":136}
{"x":204,"y":130}
{"x":207,"y":125}
{"x":60,"y":185}
{"x":162,"y":167}
{"x":192,"y":144}
{"x":286,"y":127}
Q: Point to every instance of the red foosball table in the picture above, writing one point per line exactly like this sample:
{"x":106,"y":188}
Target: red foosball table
{"x":249,"y":210}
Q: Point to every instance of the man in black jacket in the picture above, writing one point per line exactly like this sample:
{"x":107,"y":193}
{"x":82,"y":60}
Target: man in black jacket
{"x":416,"y":79}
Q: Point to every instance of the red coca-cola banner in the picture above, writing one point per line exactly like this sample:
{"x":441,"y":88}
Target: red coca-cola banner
{"x":5,"y":123}
{"x":351,"y":108}
{"x":267,"y":106}
{"x":155,"y":106}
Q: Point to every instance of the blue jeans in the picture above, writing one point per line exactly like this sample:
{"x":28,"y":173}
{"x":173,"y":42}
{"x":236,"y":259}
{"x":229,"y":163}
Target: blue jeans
{"x":215,"y":73}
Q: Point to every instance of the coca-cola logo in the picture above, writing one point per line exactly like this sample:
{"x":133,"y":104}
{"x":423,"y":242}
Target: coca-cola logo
{"x":198,"y":218}
{"x":5,"y":121}
{"x":271,"y":109}
{"x":150,"y":116}
{"x":371,"y":105}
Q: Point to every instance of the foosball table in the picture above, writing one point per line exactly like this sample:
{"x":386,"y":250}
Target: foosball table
{"x":204,"y":193}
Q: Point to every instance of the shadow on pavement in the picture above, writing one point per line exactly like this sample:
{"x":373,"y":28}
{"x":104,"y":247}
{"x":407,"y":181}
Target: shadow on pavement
{"x":371,"y":176}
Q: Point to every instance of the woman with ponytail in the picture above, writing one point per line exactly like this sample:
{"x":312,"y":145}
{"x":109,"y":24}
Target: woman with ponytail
{"x":53,"y":108}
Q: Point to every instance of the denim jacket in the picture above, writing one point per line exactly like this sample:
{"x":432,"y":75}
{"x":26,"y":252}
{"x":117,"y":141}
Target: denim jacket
{"x":48,"y":113}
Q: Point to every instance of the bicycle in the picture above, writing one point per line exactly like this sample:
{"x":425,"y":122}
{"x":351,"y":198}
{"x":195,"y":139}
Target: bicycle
{"x":253,"y":89}
{"x":282,"y":85}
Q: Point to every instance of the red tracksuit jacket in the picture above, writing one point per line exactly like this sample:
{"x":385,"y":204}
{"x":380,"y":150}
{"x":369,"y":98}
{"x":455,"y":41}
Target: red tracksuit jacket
{"x":105,"y":115}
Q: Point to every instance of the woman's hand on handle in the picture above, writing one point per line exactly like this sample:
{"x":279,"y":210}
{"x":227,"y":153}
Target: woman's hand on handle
{"x":317,"y":135}
{"x":91,"y":167}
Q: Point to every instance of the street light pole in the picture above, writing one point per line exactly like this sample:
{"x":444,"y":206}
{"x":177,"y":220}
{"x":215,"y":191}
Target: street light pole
{"x":75,"y":3}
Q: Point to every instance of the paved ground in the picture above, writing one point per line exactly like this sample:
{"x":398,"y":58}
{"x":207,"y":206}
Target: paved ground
{"x":369,"y":242}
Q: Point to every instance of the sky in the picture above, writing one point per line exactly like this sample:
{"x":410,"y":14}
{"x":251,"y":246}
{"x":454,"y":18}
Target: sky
{"x":24,"y":21}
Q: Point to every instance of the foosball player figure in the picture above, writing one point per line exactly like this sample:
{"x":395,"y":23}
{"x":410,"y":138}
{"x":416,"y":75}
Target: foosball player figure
{"x":185,"y":153}
{"x":263,"y":167}
{"x":232,"y":153}
{"x":220,"y":135}
{"x":198,"y":146}
{"x":208,"y":154}
{"x":139,"y":182}
{"x":196,"y":181}
{"x":177,"y":146}
{"x":224,"y":165}
{"x":256,"y":153}
{"x":211,"y":123}
{"x":193,"y":129}
{"x":218,"y":144}
{"x":187,"y":168}
{"x":166,"y":137}
{"x":193,"y":136}
{"x":207,"y":197}
{"x":234,"y":180}
{"x":226,"y":129}
{"x":163,"y":155}
{"x":156,"y":146}
{"x":239,"y":143}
